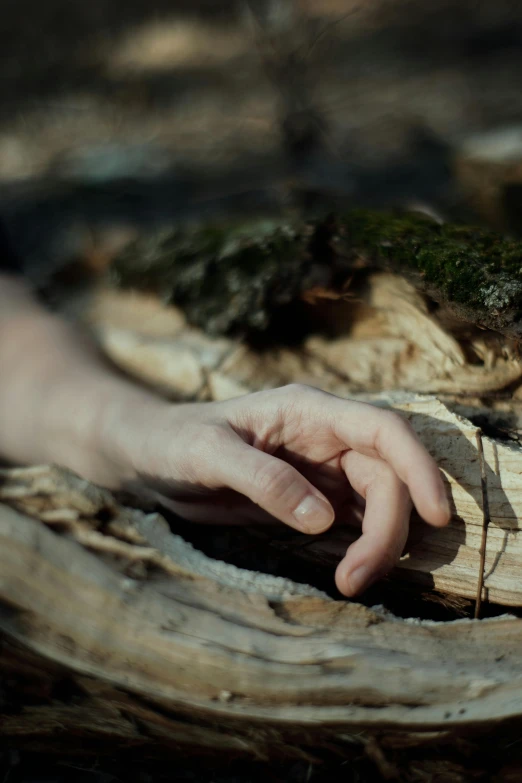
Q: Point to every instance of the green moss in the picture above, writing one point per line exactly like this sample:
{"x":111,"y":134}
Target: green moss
{"x":228,"y":279}
{"x":459,"y":264}
{"x":234,"y":278}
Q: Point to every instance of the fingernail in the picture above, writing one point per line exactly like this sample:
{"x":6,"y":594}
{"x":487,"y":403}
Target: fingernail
{"x":358,"y":579}
{"x":313,"y":514}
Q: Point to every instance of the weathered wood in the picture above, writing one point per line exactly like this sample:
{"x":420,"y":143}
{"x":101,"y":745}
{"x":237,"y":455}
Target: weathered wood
{"x":387,"y":340}
{"x":396,"y":342}
{"x":263,"y":667}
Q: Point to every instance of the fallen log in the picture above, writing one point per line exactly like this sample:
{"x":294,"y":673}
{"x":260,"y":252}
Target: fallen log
{"x":190,"y":652}
{"x":241,"y":278}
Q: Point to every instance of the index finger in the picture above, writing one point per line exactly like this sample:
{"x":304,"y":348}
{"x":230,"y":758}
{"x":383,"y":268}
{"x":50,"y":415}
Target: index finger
{"x":381,"y":433}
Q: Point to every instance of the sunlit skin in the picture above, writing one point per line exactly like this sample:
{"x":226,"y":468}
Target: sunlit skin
{"x":294,"y":454}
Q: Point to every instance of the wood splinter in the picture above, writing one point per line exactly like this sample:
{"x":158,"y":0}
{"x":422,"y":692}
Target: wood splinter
{"x":485,"y":522}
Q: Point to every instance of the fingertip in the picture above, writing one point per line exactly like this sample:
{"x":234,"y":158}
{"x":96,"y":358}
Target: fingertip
{"x":444,"y":517}
{"x":351,"y":581}
{"x":430,"y":496}
{"x":314,"y":514}
{"x":342,"y":581}
{"x":440,"y":511}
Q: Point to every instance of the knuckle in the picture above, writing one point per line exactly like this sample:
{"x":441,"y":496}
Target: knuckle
{"x":390,"y":418}
{"x":400,"y":423}
{"x":392,"y":426}
{"x":291,"y":401}
{"x":297,"y":390}
{"x":298,"y":399}
{"x":273,"y":479}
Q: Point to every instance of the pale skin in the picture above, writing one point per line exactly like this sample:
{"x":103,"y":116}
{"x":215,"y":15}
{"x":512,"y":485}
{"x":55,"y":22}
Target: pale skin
{"x":294,"y":454}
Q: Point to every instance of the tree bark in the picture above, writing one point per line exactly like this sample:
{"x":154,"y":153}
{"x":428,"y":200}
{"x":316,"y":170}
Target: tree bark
{"x":244,"y":279}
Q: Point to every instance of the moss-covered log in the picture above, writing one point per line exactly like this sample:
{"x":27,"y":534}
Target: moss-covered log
{"x":227,"y":279}
{"x":238,"y":278}
{"x":477,"y":274}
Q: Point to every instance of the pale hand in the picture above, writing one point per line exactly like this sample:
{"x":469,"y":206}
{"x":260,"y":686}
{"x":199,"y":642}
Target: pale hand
{"x":294,"y":454}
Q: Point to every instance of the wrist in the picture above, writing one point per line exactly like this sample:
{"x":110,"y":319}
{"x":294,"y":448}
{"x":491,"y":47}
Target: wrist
{"x":129,"y":429}
{"x":60,"y":403}
{"x":151,"y":440}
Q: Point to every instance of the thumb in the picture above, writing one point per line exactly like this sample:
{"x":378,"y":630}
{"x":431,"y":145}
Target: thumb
{"x":275,"y":486}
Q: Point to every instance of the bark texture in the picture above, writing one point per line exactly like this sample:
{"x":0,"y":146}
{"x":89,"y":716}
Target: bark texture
{"x":233,"y":279}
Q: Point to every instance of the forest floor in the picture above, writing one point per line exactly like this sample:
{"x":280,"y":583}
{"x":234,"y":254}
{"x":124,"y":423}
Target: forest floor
{"x":127,"y":114}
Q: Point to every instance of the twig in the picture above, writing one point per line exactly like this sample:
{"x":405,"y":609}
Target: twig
{"x":485,"y":521}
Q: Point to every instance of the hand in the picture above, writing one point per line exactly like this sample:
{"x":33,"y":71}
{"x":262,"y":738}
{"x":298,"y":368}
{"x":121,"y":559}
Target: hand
{"x":295,"y":454}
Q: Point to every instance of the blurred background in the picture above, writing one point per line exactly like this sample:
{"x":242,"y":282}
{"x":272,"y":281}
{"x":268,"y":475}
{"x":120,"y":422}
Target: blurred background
{"x":119,"y":115}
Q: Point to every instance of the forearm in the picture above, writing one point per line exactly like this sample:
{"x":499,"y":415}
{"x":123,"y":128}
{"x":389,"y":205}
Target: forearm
{"x":59,"y":401}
